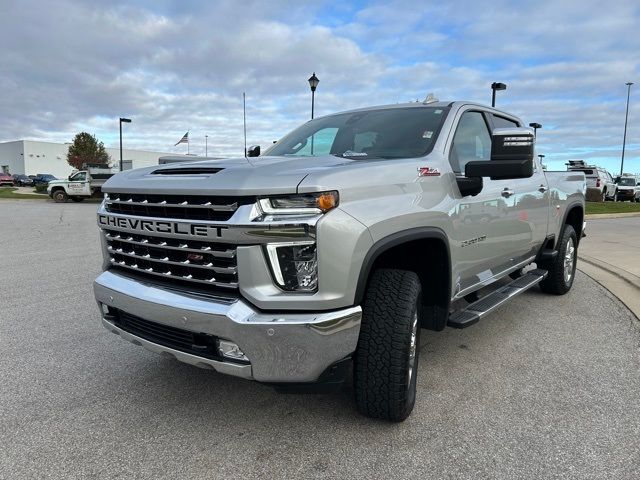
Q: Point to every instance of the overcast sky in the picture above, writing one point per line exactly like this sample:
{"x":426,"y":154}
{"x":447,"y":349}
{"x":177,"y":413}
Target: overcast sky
{"x":68,"y":66}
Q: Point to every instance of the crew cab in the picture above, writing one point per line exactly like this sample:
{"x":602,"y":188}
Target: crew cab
{"x":330,"y":253}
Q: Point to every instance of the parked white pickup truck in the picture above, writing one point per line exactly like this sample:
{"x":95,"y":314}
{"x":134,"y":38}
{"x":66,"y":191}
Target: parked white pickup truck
{"x":80,"y":185}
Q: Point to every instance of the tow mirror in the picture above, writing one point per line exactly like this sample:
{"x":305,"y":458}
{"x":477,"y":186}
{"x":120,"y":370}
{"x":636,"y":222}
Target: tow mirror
{"x":254,"y":151}
{"x":511,"y":156}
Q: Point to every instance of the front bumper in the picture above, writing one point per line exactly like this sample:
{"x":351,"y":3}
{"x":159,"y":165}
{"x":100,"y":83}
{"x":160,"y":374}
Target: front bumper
{"x":281,"y":347}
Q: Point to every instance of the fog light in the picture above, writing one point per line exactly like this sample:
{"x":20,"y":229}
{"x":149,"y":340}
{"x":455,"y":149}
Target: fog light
{"x":295,"y":265}
{"x":230,"y":350}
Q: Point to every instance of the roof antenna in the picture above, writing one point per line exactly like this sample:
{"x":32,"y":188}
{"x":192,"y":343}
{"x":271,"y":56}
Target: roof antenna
{"x":431,"y":98}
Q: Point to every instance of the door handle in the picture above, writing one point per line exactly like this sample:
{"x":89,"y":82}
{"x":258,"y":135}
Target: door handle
{"x":542,"y":188}
{"x":507,"y":192}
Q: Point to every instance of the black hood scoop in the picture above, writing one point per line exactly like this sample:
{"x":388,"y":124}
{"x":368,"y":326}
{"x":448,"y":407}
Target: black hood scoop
{"x":187,"y":171}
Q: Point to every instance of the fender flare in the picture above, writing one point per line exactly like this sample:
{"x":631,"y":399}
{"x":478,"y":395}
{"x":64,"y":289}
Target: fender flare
{"x":570,"y":207}
{"x":393,"y":240}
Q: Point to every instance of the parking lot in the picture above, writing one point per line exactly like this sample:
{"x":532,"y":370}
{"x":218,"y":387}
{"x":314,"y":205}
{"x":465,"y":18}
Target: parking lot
{"x":545,"y":387}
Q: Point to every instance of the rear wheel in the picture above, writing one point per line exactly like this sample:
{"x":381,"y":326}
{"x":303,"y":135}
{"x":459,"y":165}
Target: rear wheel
{"x":59,"y":196}
{"x":562,"y":269}
{"x":386,"y":359}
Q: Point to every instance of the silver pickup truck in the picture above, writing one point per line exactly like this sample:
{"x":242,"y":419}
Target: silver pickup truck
{"x":323,"y":259}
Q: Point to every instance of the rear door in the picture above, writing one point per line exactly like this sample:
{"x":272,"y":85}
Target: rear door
{"x":529,"y":205}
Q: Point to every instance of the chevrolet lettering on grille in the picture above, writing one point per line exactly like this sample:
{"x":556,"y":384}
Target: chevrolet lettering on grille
{"x":162,"y":226}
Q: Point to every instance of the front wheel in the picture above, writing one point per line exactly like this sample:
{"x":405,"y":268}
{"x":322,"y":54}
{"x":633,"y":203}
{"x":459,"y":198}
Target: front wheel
{"x":386,"y":359}
{"x":562,"y":269}
{"x":59,"y":196}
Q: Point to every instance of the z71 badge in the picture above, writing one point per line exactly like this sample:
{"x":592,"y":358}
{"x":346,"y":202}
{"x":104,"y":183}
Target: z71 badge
{"x":428,"y":172}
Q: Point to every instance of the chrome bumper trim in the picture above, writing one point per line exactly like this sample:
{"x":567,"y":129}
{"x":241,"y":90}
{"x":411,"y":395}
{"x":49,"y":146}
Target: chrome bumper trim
{"x":282,"y":347}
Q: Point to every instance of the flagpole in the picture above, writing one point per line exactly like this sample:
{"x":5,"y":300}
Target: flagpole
{"x":187,"y":142}
{"x":244,"y":121}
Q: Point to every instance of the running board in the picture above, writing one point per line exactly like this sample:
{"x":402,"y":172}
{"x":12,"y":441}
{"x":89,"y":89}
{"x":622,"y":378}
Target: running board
{"x":487,"y":304}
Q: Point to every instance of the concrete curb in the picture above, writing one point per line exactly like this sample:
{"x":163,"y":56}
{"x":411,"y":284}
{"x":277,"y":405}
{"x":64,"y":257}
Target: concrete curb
{"x":622,"y":284}
{"x":596,"y":216}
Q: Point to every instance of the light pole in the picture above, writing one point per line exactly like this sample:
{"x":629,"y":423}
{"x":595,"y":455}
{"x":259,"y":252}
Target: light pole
{"x":535,"y":127}
{"x":626,"y":116}
{"x":494,"y":87}
{"x":122,"y":120}
{"x":541,"y":157}
{"x":313,"y":83}
{"x":205,"y":145}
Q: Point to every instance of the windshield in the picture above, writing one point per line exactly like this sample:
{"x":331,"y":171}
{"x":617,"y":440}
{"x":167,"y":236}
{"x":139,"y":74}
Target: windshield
{"x":627,"y":182}
{"x":386,"y":133}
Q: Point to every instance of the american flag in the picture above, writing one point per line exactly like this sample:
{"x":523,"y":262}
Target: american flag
{"x":184,"y":139}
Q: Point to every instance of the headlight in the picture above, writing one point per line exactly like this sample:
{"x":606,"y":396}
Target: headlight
{"x":294,"y":265}
{"x":306,"y":203}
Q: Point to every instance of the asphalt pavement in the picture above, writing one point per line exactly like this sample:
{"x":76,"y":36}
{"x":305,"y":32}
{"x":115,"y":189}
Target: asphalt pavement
{"x":546,"y":387}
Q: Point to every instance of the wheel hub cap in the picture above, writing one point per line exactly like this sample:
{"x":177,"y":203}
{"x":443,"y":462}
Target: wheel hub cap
{"x":413,"y":347}
{"x":569,"y":260}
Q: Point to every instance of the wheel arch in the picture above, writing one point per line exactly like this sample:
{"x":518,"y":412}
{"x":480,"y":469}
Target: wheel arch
{"x":406,"y":250}
{"x":574,"y":216}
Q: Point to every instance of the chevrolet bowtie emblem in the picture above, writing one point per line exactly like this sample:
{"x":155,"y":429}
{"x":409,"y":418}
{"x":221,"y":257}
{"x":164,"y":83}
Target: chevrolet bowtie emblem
{"x":428,"y":172}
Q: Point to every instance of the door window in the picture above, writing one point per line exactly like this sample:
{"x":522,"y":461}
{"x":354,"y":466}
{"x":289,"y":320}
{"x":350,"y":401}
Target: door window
{"x":501,"y":122}
{"x":471,"y":141}
{"x":79,"y":177}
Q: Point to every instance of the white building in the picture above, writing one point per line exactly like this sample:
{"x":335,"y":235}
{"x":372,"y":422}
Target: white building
{"x":31,"y":157}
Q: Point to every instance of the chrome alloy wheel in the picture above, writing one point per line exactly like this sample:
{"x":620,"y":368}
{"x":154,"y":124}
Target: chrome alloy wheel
{"x":413,"y":345}
{"x":569,"y":261}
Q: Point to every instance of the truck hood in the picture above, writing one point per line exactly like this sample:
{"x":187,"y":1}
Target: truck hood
{"x":232,"y":176}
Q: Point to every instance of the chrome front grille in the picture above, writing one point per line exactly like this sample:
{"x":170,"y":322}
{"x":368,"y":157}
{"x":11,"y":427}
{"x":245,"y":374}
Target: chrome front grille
{"x":186,"y":261}
{"x":187,"y":207}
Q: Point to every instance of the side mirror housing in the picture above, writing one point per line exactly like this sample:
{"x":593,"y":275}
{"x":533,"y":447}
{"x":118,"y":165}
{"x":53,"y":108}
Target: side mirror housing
{"x":253,"y":151}
{"x":469,"y":186}
{"x":511,"y":156}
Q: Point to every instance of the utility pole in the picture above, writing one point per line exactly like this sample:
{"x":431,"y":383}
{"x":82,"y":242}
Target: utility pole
{"x":626,"y":116}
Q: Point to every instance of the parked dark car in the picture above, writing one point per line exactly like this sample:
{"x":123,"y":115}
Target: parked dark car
{"x":20,"y":180}
{"x":43,"y":179}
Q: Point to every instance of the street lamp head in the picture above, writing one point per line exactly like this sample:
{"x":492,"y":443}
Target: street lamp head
{"x":535,"y":125}
{"x":629,"y":84}
{"x":498,"y":86}
{"x":541,"y":156}
{"x":125,"y":120}
{"x":313,"y":82}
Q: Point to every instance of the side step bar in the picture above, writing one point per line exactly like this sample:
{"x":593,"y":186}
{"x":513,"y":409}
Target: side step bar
{"x":487,"y":304}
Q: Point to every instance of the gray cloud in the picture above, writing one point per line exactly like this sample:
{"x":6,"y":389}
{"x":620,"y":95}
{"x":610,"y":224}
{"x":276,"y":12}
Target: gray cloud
{"x":74,"y":65}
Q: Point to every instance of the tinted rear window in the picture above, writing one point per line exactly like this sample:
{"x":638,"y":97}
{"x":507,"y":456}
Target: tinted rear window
{"x":587,"y":171}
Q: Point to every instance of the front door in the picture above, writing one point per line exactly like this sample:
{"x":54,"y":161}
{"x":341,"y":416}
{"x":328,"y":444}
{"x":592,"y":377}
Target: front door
{"x":78,"y":185}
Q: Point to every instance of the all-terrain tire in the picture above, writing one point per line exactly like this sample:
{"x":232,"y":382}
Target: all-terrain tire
{"x":562,"y":269}
{"x":59,"y":196}
{"x":386,"y":359}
